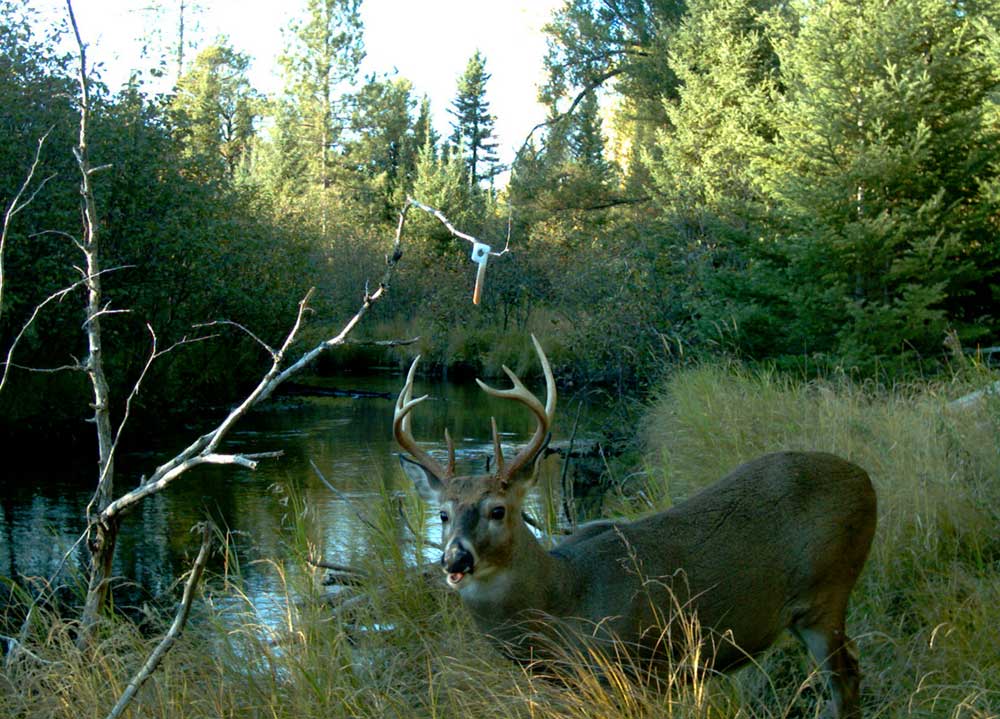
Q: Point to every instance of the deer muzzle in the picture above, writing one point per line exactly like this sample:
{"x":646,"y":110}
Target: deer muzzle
{"x":457,"y":561}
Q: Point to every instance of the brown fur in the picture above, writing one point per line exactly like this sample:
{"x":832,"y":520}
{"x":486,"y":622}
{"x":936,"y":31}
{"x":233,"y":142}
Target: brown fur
{"x":776,"y":544}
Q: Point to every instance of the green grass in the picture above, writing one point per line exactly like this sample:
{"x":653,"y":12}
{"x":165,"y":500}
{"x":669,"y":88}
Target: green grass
{"x":925,"y":614}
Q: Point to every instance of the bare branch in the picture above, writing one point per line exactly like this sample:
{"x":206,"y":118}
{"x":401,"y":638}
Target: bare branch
{"x":406,"y":522}
{"x":154,"y":354}
{"x":383,"y":343}
{"x":101,"y":313}
{"x":237,"y":325}
{"x":16,"y":205}
{"x":76,"y":367}
{"x":444,"y":221}
{"x":457,"y":233}
{"x":347,"y":500}
{"x":589,"y":87}
{"x":54,"y":297}
{"x":203,"y":449}
{"x":180,"y":620}
{"x":16,"y":649}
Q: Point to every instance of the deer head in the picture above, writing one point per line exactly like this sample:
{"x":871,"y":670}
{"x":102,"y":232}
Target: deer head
{"x":480,"y":514}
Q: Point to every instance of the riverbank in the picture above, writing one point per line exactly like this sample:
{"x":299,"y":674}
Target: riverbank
{"x":922,"y":615}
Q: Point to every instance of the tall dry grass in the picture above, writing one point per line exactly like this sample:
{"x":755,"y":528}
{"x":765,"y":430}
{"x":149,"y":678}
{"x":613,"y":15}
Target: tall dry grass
{"x":927,"y":610}
{"x":925,"y":614}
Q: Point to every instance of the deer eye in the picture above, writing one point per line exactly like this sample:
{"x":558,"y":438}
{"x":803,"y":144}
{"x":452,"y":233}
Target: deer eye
{"x":498,"y":513}
{"x":444,"y":517}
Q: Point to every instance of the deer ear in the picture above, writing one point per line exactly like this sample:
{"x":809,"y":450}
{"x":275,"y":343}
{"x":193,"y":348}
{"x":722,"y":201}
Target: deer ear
{"x":428,"y":485}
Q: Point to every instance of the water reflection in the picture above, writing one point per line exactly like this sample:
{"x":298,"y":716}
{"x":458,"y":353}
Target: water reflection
{"x":349,"y":440}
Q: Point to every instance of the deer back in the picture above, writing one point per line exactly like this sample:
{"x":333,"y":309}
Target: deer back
{"x":748,"y":554}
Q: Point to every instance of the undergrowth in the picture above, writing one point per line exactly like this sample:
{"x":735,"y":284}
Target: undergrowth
{"x":924,"y":615}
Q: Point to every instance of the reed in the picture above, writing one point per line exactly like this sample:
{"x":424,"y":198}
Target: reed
{"x":924,"y":614}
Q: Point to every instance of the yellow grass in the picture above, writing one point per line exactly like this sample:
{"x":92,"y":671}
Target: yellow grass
{"x":925,"y":615}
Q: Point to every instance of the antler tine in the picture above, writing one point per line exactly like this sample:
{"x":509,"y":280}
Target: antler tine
{"x":544,"y":414}
{"x":497,"y":451}
{"x":451,"y":453}
{"x":401,"y":429}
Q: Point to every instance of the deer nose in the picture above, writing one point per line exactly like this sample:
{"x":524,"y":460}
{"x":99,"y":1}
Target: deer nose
{"x":457,"y":559}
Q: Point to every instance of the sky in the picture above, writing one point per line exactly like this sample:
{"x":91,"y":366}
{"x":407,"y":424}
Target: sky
{"x":428,"y":42}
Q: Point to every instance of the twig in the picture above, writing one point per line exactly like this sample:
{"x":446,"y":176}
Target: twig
{"x":589,"y":87}
{"x":458,"y":233}
{"x":406,"y":522}
{"x":16,"y":205}
{"x":237,"y":325}
{"x":568,"y":500}
{"x":383,"y":343}
{"x":339,"y":568}
{"x":180,"y":620}
{"x":58,"y":295}
{"x":347,"y":500}
{"x":16,"y":648}
{"x":153,"y":356}
{"x":532,"y":522}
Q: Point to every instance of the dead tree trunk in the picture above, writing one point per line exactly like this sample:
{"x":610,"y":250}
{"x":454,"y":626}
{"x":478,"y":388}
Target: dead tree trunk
{"x":102,"y":536}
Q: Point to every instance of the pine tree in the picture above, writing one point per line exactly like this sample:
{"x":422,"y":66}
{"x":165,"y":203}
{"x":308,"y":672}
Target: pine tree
{"x":215,"y":109}
{"x":320,"y":65}
{"x":587,"y":139}
{"x":705,"y":168}
{"x":883,"y":152}
{"x":381,"y":147}
{"x":474,"y":125}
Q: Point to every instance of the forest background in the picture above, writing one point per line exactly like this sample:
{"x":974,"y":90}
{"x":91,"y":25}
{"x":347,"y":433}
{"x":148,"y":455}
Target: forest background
{"x":809,"y":187}
{"x":812,"y":185}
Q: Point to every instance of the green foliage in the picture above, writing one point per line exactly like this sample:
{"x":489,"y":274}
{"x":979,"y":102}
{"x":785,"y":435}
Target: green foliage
{"x":387,"y":140}
{"x":824,"y":176}
{"x":877,"y":169}
{"x":321,"y":62}
{"x":812,"y":183}
{"x":185,"y":245}
{"x":215,"y":110}
{"x":472,"y":134}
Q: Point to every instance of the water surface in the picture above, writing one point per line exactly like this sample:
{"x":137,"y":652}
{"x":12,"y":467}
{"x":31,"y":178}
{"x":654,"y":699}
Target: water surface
{"x":43,"y":504}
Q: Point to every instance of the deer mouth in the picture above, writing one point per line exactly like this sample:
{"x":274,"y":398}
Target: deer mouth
{"x":458,"y":563}
{"x":456,"y":578}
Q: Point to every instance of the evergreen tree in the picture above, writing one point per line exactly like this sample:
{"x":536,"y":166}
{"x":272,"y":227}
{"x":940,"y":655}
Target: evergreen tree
{"x":587,"y":139}
{"x":473,"y":125}
{"x":595,"y":41}
{"x":706,"y":168}
{"x":215,"y":109}
{"x":381,"y":148}
{"x":423,"y":130}
{"x":884,"y":150}
{"x":320,"y":64}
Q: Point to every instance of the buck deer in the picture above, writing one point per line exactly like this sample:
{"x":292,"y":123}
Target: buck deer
{"x":776,"y":544}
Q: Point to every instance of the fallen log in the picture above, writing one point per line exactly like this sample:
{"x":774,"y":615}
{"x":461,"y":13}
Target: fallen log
{"x":297,"y":389}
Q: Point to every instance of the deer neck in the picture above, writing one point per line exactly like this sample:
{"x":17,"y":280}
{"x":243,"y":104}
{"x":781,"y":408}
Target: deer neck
{"x":532,"y":581}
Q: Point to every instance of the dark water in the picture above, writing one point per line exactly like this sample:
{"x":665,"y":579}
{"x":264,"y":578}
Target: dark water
{"x":42,"y":506}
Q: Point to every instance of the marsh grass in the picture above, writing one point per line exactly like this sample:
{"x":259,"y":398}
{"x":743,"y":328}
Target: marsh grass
{"x":925,"y":613}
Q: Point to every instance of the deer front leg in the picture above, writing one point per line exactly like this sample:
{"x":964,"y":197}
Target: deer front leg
{"x":836,"y":655}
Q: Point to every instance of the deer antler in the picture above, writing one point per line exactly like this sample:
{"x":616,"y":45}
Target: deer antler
{"x":401,"y":429}
{"x":520,"y":393}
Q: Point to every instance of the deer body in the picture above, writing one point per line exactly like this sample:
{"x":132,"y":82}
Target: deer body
{"x":776,"y":544}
